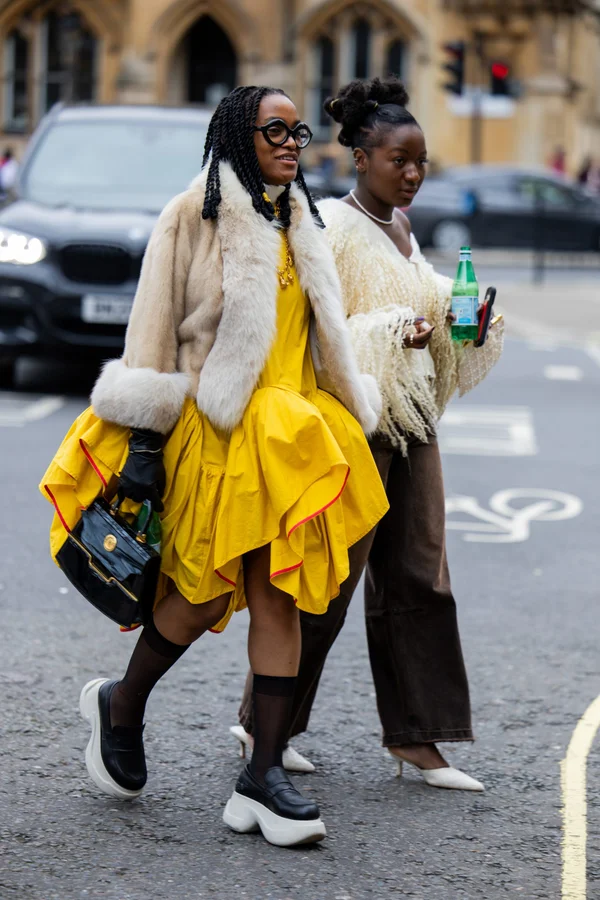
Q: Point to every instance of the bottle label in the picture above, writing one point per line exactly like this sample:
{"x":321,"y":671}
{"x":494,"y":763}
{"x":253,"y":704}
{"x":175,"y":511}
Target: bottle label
{"x":465,"y":310}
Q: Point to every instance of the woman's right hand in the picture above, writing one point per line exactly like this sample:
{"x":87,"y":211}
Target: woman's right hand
{"x":143,"y":476}
{"x":418,"y":339}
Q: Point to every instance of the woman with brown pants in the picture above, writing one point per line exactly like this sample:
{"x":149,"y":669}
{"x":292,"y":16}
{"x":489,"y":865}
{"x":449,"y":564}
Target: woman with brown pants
{"x":391,"y":294}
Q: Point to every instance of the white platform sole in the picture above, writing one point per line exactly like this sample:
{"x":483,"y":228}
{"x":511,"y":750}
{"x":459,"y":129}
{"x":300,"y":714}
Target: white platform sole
{"x":243,"y":814}
{"x":88,"y":706}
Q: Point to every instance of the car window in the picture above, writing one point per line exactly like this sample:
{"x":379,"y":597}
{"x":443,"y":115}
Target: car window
{"x":552,"y":195}
{"x":496,"y":192}
{"x":114,"y":165}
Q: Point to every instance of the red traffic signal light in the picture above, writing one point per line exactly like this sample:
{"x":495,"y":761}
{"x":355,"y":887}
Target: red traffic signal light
{"x":500,"y":70}
{"x":455,"y":66}
{"x":500,"y":79}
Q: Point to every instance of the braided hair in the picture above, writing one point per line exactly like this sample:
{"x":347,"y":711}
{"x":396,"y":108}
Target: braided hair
{"x":230,"y":139}
{"x":367,"y":110}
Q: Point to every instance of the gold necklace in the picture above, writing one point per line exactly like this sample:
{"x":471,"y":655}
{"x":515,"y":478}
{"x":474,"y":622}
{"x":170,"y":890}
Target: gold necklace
{"x":286,"y":272}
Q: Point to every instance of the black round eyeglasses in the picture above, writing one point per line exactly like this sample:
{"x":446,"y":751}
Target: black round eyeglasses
{"x":277,"y":132}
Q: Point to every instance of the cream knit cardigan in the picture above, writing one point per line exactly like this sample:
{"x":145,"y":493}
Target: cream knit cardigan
{"x":383,"y":293}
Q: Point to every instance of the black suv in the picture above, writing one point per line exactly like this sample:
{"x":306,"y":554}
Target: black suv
{"x":72,"y":237}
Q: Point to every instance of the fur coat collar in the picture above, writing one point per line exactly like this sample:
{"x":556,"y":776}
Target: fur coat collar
{"x":218,"y":281}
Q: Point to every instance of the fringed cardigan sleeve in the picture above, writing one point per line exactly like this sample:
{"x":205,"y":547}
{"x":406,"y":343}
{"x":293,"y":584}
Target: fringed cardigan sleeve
{"x":377,"y":332}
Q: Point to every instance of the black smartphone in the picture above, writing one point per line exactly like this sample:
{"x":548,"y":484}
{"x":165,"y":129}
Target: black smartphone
{"x":486,"y":317}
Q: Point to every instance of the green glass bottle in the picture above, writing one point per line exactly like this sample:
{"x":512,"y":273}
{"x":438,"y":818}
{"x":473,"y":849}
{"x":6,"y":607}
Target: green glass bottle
{"x":465,"y":299}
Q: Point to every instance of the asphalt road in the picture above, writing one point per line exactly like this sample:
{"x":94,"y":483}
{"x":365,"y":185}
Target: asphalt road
{"x":528,"y":599}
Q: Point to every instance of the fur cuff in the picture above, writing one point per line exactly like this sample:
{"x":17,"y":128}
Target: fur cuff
{"x":139,"y":398}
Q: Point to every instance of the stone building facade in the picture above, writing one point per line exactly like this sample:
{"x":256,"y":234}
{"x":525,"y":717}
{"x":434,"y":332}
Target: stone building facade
{"x":192,"y":51}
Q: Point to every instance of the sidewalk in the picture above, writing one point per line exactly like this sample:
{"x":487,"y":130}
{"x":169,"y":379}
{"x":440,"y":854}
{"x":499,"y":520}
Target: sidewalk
{"x":560,"y":313}
{"x":521,"y":259}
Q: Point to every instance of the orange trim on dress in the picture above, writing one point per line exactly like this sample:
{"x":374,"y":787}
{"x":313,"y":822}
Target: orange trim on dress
{"x":327,"y":505}
{"x":58,"y":512}
{"x":227,"y":580}
{"x":289,"y":569}
{"x":90,"y":459}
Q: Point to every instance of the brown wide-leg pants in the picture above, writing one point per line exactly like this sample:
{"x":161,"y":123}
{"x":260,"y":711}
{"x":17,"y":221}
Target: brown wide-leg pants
{"x":412,"y":631}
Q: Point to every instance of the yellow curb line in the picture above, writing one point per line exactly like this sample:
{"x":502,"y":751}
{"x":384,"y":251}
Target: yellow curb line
{"x":574,"y":810}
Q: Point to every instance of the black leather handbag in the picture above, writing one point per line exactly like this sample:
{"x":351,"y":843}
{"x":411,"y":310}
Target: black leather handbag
{"x":110,"y":563}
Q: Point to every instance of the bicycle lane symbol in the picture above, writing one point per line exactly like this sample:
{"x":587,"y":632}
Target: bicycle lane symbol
{"x":505,"y":523}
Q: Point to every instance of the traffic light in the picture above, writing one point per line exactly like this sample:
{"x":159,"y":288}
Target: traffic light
{"x":455,"y":65}
{"x":500,"y":81}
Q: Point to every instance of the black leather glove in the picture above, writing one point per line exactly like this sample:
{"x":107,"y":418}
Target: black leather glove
{"x":143,"y":476}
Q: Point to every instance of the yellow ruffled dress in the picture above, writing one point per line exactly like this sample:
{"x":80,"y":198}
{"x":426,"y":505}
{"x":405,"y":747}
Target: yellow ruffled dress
{"x":296,"y":473}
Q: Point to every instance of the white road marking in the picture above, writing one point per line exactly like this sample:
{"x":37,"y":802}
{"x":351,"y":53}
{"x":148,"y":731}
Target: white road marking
{"x":563,"y":373}
{"x":17,"y":410}
{"x":488,"y":431}
{"x":543,"y":345}
{"x":574,"y":801}
{"x":508,"y":520}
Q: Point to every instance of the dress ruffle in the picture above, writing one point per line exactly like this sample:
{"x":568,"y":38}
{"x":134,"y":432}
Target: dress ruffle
{"x":283,"y":478}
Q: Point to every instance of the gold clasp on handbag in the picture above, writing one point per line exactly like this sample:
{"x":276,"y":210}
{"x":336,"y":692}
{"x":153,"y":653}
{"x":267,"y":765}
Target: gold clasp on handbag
{"x":110,"y":542}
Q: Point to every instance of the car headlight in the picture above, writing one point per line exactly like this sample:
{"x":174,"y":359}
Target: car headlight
{"x":20,"y":249}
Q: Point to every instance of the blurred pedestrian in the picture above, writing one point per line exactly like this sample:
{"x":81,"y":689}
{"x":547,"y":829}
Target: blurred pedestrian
{"x":589,"y":175}
{"x":9,"y":169}
{"x":213,"y":414}
{"x":398,"y":309}
{"x":558,"y":161}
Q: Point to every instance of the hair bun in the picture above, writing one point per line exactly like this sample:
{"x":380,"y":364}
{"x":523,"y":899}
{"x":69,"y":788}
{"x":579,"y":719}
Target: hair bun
{"x":358,"y":100}
{"x":334,"y":107}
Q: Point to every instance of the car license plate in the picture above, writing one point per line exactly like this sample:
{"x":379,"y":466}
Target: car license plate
{"x":106,"y":309}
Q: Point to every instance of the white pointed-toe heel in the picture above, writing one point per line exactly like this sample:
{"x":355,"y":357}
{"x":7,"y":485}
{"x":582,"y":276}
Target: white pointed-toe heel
{"x":292,"y":760}
{"x":447,"y":777}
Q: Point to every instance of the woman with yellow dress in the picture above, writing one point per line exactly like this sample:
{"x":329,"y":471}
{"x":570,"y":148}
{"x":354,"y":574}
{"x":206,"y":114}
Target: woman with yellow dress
{"x":216,"y":414}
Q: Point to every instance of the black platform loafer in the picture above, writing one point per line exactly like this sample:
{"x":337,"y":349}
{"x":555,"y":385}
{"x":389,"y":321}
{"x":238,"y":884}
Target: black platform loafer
{"x":277,"y":808}
{"x":114,"y":756}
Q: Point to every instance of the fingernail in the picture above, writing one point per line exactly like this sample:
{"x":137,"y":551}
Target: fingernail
{"x":420,"y":319}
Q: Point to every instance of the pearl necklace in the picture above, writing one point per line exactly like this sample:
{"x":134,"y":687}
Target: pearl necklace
{"x":370,"y":214}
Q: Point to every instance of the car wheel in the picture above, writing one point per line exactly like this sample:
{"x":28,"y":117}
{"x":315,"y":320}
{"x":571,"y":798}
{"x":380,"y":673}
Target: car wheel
{"x":7,"y":373}
{"x":450,"y":235}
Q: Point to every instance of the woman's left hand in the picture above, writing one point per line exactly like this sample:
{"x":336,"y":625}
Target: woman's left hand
{"x":451,"y":318}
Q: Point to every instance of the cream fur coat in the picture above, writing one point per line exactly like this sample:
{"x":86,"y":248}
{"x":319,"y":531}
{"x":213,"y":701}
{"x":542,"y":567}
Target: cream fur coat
{"x":204,"y":315}
{"x":383,"y":293}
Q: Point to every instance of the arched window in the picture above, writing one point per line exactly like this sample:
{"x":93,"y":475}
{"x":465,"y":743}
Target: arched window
{"x":326,"y":52}
{"x":211,"y":62}
{"x":396,"y":59}
{"x":322,"y":85}
{"x":356,"y":42}
{"x":361,"y":41}
{"x":69,"y":51}
{"x":16,"y":70}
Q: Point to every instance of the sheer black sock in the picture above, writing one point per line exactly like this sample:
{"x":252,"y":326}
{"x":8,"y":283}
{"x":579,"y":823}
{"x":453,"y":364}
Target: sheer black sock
{"x":152,"y":657}
{"x":272,"y":697}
